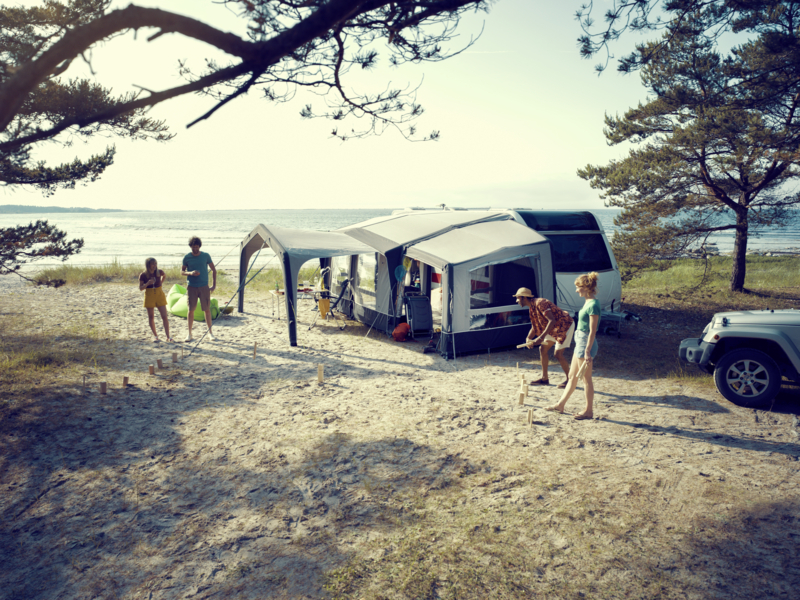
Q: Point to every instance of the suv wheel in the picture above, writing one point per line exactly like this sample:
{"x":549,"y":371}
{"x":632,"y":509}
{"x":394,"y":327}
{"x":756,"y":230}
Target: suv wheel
{"x":747,"y":377}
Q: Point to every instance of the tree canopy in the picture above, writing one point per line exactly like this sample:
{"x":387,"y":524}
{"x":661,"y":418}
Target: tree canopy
{"x":290,"y":44}
{"x":717,"y":139}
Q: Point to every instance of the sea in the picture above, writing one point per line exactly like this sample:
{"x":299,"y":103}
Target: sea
{"x":133,"y":236}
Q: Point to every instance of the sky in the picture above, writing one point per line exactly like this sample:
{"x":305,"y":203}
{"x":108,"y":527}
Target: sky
{"x":519,"y":112}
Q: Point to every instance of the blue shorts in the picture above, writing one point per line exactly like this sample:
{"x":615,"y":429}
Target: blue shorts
{"x":581,"y":337}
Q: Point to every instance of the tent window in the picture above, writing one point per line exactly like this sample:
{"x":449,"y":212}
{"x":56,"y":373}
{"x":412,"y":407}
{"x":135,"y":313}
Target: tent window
{"x":495,"y":285}
{"x":499,"y":319}
{"x":340,"y":269}
{"x":580,"y":253}
{"x":366,"y":277}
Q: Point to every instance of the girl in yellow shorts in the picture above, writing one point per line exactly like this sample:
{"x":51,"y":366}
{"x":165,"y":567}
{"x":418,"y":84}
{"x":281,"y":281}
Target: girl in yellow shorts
{"x":150,"y":283}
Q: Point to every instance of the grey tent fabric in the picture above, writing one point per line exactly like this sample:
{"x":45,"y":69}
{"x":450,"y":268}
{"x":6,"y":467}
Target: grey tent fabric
{"x":390,"y":232}
{"x":460,"y":253}
{"x":483,"y":258}
{"x":294,"y":247}
{"x":469,"y":243}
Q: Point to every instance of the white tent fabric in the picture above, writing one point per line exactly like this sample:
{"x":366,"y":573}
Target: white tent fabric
{"x":294,"y":248}
{"x":462,"y":251}
{"x":473,"y":242}
{"x":386,"y":233}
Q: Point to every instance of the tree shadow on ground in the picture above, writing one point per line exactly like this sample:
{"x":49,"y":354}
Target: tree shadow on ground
{"x":138,"y":494}
{"x":679,"y":402}
{"x":741,"y":554}
{"x":789,"y":448}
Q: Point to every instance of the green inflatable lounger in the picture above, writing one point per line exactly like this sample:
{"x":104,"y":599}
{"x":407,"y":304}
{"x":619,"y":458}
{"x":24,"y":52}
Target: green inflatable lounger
{"x":178,"y":305}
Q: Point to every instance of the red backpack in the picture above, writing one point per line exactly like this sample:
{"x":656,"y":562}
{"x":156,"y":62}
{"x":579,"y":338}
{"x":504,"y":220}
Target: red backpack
{"x":401,"y":332}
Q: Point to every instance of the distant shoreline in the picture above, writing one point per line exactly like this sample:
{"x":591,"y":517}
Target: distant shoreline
{"x":22,"y":209}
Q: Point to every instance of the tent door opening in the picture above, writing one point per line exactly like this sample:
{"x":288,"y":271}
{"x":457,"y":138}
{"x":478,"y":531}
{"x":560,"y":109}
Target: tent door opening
{"x":421,"y":298}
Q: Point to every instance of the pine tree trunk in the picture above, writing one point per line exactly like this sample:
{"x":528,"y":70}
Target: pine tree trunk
{"x":739,"y":253}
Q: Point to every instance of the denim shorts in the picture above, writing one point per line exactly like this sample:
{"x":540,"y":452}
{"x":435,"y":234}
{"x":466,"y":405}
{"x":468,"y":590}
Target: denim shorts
{"x":581,"y":337}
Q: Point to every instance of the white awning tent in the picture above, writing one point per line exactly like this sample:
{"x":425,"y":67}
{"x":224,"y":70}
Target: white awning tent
{"x":294,"y":247}
{"x":462,"y":252}
{"x":483,"y":256}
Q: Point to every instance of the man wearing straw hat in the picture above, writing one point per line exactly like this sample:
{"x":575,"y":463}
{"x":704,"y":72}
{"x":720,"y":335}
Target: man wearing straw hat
{"x":549,"y":326}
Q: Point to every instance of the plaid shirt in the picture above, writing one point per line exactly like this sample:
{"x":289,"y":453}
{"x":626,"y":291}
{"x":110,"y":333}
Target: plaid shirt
{"x":562,"y":319}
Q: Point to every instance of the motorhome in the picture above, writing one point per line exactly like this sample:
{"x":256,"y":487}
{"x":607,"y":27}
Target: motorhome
{"x":579,"y":246}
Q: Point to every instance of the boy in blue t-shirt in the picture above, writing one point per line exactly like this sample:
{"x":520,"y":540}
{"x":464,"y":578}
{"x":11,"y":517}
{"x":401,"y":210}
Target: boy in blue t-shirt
{"x":195,"y":269}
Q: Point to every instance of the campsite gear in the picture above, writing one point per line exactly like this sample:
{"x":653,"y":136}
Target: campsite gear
{"x":401,"y":332}
{"x":324,"y":304}
{"x":327,"y":307}
{"x":293,"y":248}
{"x":178,"y":304}
{"x":524,"y":292}
{"x":419,"y":314}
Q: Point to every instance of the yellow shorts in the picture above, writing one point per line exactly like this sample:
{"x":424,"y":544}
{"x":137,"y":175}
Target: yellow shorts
{"x":154,"y":297}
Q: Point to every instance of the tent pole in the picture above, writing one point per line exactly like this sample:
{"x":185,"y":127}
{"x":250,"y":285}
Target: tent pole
{"x":290,"y":289}
{"x":242,"y":275}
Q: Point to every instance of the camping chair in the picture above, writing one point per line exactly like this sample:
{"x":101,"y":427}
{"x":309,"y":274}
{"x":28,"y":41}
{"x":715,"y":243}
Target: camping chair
{"x":418,"y":314}
{"x":331,"y":307}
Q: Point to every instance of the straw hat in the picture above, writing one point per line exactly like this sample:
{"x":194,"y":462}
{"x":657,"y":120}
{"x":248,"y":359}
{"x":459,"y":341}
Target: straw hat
{"x":524,"y":292}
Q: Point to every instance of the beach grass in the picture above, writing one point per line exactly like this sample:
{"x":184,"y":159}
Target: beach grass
{"x":35,"y":355}
{"x":674,"y":305}
{"x":260,"y":281}
{"x":113,"y":272}
{"x":693,"y":279}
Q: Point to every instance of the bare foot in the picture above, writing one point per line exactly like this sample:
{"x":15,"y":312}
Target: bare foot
{"x":584,"y":415}
{"x":554,"y":408}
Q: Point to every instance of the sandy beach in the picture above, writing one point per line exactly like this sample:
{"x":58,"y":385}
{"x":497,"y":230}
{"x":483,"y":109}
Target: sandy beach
{"x":229,"y":475}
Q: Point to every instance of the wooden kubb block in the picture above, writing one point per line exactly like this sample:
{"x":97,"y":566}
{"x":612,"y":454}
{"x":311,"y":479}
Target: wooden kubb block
{"x":152,"y":370}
